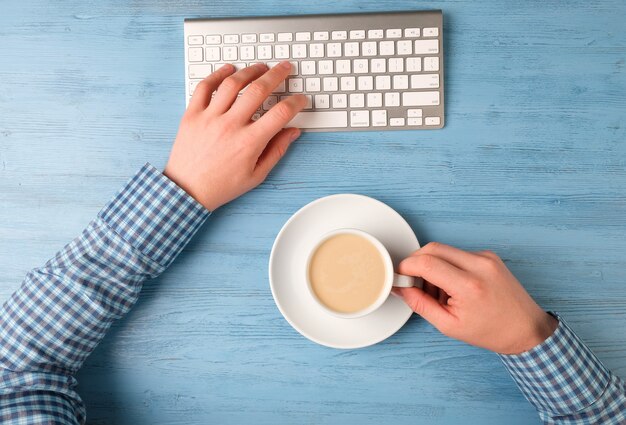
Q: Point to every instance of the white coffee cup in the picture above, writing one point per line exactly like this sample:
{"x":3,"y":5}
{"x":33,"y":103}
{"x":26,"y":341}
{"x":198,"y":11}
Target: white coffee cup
{"x":391,"y":278}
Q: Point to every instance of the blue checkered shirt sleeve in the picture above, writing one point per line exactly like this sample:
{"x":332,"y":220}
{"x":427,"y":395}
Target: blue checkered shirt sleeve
{"x":567,"y":383}
{"x":62,"y":310}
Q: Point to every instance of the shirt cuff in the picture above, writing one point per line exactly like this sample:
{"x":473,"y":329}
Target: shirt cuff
{"x":154,"y":215}
{"x":560,"y":375}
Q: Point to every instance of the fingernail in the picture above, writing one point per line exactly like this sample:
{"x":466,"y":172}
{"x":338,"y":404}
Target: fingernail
{"x":286,"y":65}
{"x":294,"y":135}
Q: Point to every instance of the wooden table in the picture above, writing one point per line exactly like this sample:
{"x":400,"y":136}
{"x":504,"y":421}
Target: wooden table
{"x":531,"y":164}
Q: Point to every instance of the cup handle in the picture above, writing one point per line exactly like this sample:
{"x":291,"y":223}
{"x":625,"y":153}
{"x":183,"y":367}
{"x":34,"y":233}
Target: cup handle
{"x":404,"y":281}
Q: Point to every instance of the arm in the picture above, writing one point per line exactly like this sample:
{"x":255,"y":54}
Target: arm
{"x":473,"y":297}
{"x":62,"y":310}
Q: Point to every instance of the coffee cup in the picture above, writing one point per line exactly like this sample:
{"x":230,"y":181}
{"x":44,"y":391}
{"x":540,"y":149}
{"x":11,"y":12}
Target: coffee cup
{"x":349,"y":273}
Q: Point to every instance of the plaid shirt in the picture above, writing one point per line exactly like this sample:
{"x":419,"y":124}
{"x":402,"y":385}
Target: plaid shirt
{"x":62,"y":310}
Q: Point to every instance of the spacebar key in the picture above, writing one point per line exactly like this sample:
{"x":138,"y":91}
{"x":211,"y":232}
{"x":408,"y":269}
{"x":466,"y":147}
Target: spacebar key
{"x":321,"y":119}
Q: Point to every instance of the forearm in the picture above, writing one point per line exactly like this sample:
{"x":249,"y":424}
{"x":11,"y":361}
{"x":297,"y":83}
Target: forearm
{"x":567,"y":383}
{"x":62,"y":310}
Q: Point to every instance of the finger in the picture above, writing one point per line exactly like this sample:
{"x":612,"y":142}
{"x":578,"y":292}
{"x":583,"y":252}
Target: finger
{"x":277,"y":117}
{"x":462,"y":259}
{"x":437,"y":271}
{"x":204,"y":90}
{"x":275,"y":150}
{"x":426,"y":306}
{"x":229,"y":89}
{"x":258,"y":90}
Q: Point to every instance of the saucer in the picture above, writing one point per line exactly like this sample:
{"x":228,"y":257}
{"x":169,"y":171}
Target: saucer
{"x":288,"y":264}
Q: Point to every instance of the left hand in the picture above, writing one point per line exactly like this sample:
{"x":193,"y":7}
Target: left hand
{"x":219,"y":152}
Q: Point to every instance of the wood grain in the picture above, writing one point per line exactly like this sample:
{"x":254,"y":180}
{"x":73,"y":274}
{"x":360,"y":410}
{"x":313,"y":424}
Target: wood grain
{"x":532,"y":164}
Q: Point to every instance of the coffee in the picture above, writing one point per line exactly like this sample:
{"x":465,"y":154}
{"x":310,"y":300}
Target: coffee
{"x":347,"y":273}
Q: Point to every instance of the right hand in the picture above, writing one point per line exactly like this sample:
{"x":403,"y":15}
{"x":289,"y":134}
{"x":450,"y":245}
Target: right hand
{"x":474,"y":298}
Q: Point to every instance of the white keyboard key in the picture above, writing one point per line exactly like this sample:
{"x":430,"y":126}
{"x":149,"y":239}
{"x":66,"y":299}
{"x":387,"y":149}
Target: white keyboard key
{"x":298,"y":51}
{"x":394,"y":33}
{"x":267,"y":37}
{"x":246,"y":53}
{"x":218,"y":66}
{"x":192,"y":86}
{"x":430,"y":32}
{"x":383,"y":82}
{"x":374,"y":100}
{"x":231,"y":39}
{"x":425,"y":81}
{"x":414,"y":113}
{"x":396,"y":122}
{"x":303,"y":36}
{"x":271,"y":64}
{"x":378,"y":66}
{"x":357,"y":100}
{"x":264,"y":52}
{"x":333,"y":50}
{"x":212,"y":54}
{"x":432,"y":120}
{"x":248,"y":38}
{"x":357,"y":34}
{"x":386,"y":48}
{"x":365,"y":83}
{"x":411,"y":32}
{"x":340,"y":100}
{"x":294,"y":68}
{"x":405,"y":47}
{"x":414,"y":121}
{"x":343,"y":66}
{"x":322,"y":101}
{"x":307,"y":67}
{"x":213,"y":39}
{"x":269,"y":102}
{"x":375,"y":34}
{"x":195,"y":39}
{"x":195,"y":54}
{"x":295,"y":85}
{"x":414,"y":64}
{"x":285,"y":36}
{"x":400,"y":82}
{"x":313,"y":85}
{"x":325,"y":67}
{"x":239,"y":66}
{"x":421,"y":98}
{"x":351,"y":49}
{"x":281,"y":51}
{"x":348,"y":83}
{"x":379,"y":118}
{"x":330,"y":84}
{"x":359,"y":118}
{"x":431,"y":64}
{"x":339,"y":35}
{"x":319,"y":119}
{"x":200,"y":71}
{"x":320,"y":35}
{"x":360,"y":66}
{"x":396,"y":65}
{"x":392,"y":99}
{"x":309,"y":101}
{"x":368,"y":48}
{"x":230,"y":53}
{"x":316,"y":50}
{"x":426,"y":47}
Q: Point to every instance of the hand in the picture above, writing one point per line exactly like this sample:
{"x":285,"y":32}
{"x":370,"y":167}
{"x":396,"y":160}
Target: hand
{"x":473,"y":297}
{"x":219,"y":152}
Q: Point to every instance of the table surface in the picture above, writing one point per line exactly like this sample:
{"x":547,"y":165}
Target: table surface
{"x":531,"y":164}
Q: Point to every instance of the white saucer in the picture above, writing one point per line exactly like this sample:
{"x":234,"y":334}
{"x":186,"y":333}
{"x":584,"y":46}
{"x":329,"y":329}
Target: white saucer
{"x":288,"y":261}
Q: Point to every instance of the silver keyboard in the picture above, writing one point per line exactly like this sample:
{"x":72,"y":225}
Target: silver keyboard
{"x":374,"y":71}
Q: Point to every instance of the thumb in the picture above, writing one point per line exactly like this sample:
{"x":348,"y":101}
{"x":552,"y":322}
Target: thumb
{"x":275,"y":150}
{"x":424,"y":305}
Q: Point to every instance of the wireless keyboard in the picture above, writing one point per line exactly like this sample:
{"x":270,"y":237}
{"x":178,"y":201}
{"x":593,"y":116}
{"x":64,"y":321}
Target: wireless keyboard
{"x":374,"y":71}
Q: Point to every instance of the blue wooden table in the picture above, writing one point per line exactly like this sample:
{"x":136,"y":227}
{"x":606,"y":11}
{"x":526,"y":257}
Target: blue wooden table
{"x":531,"y":164}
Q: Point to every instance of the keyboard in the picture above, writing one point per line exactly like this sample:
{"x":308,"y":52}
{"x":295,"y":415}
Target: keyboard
{"x":359,"y":72}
